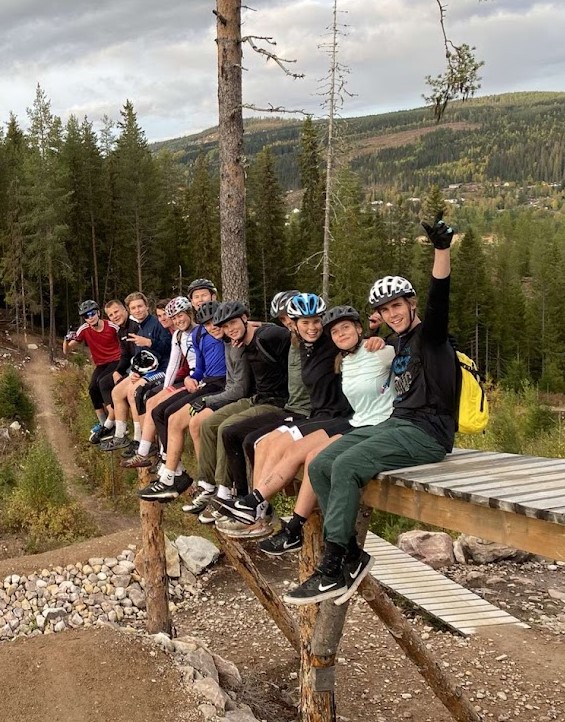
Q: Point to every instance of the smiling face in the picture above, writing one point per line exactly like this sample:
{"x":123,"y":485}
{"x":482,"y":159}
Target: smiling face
{"x":164,"y":320}
{"x":91,"y":318}
{"x":117,"y":314}
{"x":399,"y":314}
{"x":139,"y":309}
{"x":309,"y":329}
{"x":345,"y":334}
{"x":200,"y":296}
{"x":215,"y":331}
{"x":235,"y":329}
{"x":182,"y":321}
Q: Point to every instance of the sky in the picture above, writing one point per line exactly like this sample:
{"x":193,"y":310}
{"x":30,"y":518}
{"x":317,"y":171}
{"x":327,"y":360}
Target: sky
{"x":90,"y":57}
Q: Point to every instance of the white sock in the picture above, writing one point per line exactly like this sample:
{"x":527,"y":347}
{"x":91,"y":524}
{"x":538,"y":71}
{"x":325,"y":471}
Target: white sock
{"x":179,"y":469}
{"x":206,"y":486}
{"x":224,"y":492}
{"x":109,"y":424}
{"x":167,"y":476}
{"x":121,"y":428}
{"x":137,"y":430}
{"x":144,"y":448}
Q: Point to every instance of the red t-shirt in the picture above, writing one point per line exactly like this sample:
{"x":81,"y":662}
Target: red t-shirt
{"x":104,"y":345}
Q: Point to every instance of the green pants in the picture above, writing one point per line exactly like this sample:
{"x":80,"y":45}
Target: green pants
{"x":212,"y":466}
{"x":342,"y":469}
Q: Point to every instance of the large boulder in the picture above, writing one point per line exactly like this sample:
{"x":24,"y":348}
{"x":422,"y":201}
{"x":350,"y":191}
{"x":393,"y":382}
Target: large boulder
{"x":482,"y":551}
{"x":172,"y":559}
{"x":196,"y":553}
{"x":432,"y":548}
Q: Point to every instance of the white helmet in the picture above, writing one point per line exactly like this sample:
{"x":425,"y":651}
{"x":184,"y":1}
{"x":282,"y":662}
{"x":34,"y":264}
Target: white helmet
{"x":177,"y":305}
{"x":388,"y":288}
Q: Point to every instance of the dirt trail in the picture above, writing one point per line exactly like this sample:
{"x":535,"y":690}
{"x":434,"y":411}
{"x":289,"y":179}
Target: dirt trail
{"x":39,"y":375}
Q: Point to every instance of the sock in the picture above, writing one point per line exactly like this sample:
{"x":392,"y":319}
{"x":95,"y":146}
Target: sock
{"x":254,"y":499}
{"x":101,"y":415}
{"x":295,"y":525}
{"x":137,"y":430}
{"x":144,"y":448}
{"x":224,"y":492}
{"x":109,"y":424}
{"x":167,"y":476}
{"x":121,"y":427}
{"x":208,"y":487}
{"x":179,"y":469}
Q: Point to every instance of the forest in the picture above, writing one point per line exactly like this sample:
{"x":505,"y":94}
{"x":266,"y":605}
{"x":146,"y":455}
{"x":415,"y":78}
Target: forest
{"x":86,"y":214}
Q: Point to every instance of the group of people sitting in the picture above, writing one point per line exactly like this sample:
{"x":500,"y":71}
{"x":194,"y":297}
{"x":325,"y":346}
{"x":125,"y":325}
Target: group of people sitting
{"x":306,"y":395}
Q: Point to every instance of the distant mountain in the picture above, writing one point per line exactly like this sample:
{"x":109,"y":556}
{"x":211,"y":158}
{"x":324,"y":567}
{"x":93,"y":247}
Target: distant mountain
{"x":516,"y":137}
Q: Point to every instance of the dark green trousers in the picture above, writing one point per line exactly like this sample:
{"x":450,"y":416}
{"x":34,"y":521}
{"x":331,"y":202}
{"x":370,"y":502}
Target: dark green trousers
{"x":342,"y":469}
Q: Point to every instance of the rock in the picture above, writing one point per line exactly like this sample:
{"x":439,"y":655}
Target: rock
{"x":172,"y":559}
{"x":475,"y":579}
{"x":556,"y":594}
{"x":196,"y":553}
{"x":15,"y":426}
{"x":432,"y":548}
{"x":53,"y":614}
{"x":239,"y":715}
{"x":211,"y":691}
{"x":228,"y":673}
{"x":203,"y":662}
{"x":164,"y":641}
{"x":139,"y":563}
{"x":459,"y":552}
{"x":208,"y":711}
{"x":32,"y":346}
{"x":137,"y":596}
{"x":482,"y":551}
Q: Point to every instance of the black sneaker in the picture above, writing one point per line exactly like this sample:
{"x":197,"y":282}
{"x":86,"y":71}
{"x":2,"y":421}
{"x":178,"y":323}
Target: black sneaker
{"x":281,"y":543}
{"x":158,"y":491}
{"x":101,"y":433}
{"x":182,"y":482}
{"x":317,"y":588}
{"x":240,"y":509}
{"x":354,"y":571}
{"x":130,"y":450}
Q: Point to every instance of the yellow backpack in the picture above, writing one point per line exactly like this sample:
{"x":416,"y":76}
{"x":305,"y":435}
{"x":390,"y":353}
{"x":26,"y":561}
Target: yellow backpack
{"x":472,"y":416}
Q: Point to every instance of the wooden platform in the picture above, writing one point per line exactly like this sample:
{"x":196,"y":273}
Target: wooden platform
{"x":430,"y":591}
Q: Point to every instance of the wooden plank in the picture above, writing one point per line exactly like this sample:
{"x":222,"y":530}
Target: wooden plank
{"x":522,"y":532}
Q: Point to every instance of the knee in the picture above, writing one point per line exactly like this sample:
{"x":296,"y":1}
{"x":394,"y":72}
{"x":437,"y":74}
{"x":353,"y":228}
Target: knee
{"x":320,"y":466}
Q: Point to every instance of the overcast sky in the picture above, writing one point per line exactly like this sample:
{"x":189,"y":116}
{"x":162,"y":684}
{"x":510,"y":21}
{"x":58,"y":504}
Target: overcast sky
{"x":90,"y":56}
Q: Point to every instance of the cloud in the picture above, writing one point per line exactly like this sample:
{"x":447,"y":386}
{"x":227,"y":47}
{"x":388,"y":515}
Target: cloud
{"x":90,"y":58}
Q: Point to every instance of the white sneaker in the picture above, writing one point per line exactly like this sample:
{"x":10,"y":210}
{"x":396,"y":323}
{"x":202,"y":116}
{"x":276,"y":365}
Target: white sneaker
{"x":199,"y":502}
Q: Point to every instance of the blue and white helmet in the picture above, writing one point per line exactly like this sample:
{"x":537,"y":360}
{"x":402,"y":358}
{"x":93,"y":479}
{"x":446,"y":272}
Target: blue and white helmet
{"x":305,"y":305}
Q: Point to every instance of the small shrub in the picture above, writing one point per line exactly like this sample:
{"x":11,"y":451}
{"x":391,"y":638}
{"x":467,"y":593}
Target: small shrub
{"x":14,"y":400}
{"x":41,"y":483}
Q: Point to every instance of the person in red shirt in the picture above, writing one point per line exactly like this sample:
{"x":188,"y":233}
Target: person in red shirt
{"x":101,"y":337}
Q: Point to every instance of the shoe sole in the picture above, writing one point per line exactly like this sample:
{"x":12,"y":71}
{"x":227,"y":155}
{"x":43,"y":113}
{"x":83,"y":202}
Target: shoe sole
{"x":353,"y":588}
{"x":322,"y":597}
{"x":125,"y":465}
{"x":157,"y":497}
{"x":193,"y":511}
{"x":280,"y":553}
{"x":244,"y":534}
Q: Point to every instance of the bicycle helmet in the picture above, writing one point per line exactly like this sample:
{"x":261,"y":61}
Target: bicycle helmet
{"x":388,"y":288}
{"x":206,"y":312}
{"x":228,"y":310}
{"x":305,"y":305}
{"x":340,"y":313}
{"x":199,"y":283}
{"x":87,"y":306}
{"x":177,"y":305}
{"x":280,"y":302}
{"x":144,"y":362}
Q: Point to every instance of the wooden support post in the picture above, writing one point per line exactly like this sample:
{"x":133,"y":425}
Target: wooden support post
{"x":448,"y":692}
{"x":242,"y":563}
{"x":154,"y":562}
{"x":321,"y":628}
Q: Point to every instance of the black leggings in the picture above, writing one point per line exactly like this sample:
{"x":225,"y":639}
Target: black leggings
{"x":162,"y":413}
{"x":239,"y":440}
{"x":101,"y":385}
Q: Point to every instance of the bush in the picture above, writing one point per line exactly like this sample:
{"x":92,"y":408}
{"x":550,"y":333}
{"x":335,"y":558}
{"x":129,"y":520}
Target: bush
{"x":42,"y":482}
{"x":14,"y":400}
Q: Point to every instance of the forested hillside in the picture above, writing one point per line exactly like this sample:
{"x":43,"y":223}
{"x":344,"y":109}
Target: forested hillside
{"x":86,"y":215}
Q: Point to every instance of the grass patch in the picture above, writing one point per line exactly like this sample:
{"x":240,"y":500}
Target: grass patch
{"x":15,"y":403}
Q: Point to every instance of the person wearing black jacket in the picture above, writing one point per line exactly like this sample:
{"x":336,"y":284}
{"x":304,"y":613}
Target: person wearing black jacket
{"x":421,"y":429}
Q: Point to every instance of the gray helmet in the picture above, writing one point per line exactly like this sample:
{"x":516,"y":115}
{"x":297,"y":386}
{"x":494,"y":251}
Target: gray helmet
{"x":206,"y":312}
{"x":199,"y":283}
{"x":144,"y":362}
{"x":177,"y":305}
{"x":280,"y":302}
{"x":228,"y":310}
{"x":388,"y":288}
{"x":87,"y":306}
{"x":340,"y":313}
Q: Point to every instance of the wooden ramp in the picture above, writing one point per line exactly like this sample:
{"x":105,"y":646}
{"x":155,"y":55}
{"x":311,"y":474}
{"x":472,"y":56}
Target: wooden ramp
{"x":427,"y":589}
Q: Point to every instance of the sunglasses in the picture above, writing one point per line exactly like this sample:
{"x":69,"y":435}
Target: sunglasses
{"x":90,"y":314}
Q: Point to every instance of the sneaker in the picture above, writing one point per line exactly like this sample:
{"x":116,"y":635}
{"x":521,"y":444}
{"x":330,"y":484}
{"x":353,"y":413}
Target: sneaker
{"x":131,"y":450}
{"x":103,"y":434}
{"x":136,"y":462}
{"x":158,"y":491}
{"x":241,"y":530}
{"x":281,"y":543}
{"x":354,"y":572}
{"x":317,"y":588}
{"x":211,"y":515}
{"x":182,"y":482}
{"x":199,"y":502}
{"x":116,"y":442}
{"x":94,"y":436}
{"x":239,"y":509}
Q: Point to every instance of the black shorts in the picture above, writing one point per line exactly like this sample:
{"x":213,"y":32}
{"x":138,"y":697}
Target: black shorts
{"x":338,"y":425}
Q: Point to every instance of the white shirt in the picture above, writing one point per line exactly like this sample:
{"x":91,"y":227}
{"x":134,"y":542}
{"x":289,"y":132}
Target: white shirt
{"x":365,"y":382}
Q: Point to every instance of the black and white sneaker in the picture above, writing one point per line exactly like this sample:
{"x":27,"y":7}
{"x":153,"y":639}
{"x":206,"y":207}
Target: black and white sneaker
{"x":243,"y":510}
{"x":158,"y":491}
{"x":281,"y":543}
{"x":116,"y":442}
{"x":199,"y":502}
{"x":355,"y":571}
{"x":101,"y":433}
{"x":317,"y":588}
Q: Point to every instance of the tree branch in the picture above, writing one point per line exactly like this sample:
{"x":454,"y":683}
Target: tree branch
{"x":269,"y":55}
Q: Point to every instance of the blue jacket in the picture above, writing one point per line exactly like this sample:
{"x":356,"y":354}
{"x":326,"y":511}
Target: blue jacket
{"x":210,"y":355}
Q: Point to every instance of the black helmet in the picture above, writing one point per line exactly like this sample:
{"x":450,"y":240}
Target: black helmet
{"x":199,"y":283}
{"x":228,"y":310}
{"x":280,"y":302}
{"x":144,"y":362}
{"x":87,"y":306}
{"x":206,"y":312}
{"x":340,"y":313}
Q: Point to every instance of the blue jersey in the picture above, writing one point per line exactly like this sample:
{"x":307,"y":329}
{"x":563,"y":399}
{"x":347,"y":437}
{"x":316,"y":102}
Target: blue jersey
{"x":210,"y":355}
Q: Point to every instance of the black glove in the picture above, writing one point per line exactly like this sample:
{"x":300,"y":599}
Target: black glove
{"x":439,"y":234}
{"x":197,"y":405}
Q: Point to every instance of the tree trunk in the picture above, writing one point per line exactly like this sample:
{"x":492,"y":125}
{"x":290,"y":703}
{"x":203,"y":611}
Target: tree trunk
{"x":235,"y":283}
{"x":154,"y":562}
{"x":94,"y":259}
{"x":138,"y":253}
{"x":51,"y":311}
